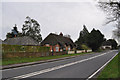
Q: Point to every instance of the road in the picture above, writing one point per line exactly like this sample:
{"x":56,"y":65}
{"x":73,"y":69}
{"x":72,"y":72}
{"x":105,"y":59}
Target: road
{"x":79,"y":67}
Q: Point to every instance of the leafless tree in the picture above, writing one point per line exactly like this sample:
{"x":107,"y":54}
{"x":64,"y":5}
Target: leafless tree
{"x":112,"y":8}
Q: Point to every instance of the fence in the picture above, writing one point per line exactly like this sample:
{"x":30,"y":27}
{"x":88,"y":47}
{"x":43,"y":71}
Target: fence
{"x":71,"y":52}
{"x":89,"y":50}
{"x":78,"y":51}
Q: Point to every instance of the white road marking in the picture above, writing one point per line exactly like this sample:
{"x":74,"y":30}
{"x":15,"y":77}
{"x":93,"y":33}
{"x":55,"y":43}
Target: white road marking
{"x":29,"y":66}
{"x":55,"y":68}
{"x":101,"y":67}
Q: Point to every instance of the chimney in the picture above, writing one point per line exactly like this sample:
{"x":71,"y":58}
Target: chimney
{"x":61,"y":34}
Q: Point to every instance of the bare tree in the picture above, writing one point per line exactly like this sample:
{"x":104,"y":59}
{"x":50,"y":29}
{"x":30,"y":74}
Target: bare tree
{"x":112,"y":8}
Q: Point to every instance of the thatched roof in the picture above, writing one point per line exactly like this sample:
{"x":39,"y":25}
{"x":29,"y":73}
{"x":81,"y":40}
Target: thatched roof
{"x":54,"y":39}
{"x":25,"y":40}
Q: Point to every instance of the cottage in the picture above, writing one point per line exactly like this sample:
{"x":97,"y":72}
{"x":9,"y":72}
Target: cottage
{"x":25,"y":40}
{"x":58,"y":43}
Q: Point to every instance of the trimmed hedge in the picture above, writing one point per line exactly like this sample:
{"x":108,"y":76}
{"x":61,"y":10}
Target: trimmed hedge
{"x":20,"y":48}
{"x":9,"y":51}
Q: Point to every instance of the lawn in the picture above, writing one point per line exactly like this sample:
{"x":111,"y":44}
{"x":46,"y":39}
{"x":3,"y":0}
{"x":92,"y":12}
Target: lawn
{"x":111,"y":70}
{"x":33,"y":59}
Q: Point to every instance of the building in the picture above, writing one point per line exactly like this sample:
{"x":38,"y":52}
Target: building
{"x":1,"y":41}
{"x":25,"y":40}
{"x":58,"y":43}
{"x":106,"y":45}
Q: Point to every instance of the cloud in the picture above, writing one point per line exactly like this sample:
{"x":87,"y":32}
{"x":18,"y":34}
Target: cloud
{"x":68,"y":18}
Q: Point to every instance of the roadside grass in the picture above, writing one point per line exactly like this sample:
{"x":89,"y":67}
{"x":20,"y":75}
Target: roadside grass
{"x":33,"y":59}
{"x":112,"y":70}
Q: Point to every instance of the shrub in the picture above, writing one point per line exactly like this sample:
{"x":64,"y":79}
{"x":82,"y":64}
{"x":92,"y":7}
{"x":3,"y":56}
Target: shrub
{"x":85,"y":47}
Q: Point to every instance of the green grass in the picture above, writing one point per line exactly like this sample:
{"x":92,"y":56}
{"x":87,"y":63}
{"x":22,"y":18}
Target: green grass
{"x":23,"y":60}
{"x":111,"y":70}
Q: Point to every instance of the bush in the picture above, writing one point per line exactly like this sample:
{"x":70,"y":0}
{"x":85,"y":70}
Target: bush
{"x":84,"y":47}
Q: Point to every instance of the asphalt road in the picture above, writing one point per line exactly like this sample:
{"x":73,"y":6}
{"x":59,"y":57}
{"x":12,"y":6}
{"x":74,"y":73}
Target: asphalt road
{"x":79,"y":67}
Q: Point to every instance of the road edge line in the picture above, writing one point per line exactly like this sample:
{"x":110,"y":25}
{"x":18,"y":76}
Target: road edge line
{"x":54,"y":68}
{"x":101,"y":67}
{"x":38,"y":62}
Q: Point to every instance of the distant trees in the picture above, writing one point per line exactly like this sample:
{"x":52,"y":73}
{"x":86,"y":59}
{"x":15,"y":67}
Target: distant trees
{"x":112,"y":9}
{"x":9,"y":35}
{"x":95,"y":39}
{"x":82,"y":37}
{"x":14,"y":33}
{"x":91,"y":40}
{"x":113,"y":43}
{"x":32,"y":28}
{"x":67,"y":35}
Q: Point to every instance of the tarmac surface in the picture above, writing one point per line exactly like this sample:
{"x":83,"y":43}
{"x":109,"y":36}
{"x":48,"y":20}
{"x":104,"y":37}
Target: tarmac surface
{"x":75,"y":67}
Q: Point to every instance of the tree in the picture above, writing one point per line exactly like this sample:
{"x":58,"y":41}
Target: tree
{"x":32,"y":28}
{"x":112,"y":8}
{"x":9,"y":35}
{"x":95,"y":39}
{"x":82,"y":38}
{"x":84,"y":32}
{"x":114,"y":43}
{"x":14,"y":33}
{"x":67,"y":35}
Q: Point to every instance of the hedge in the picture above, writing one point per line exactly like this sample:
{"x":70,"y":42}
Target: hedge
{"x":20,"y":48}
{"x":9,"y":51}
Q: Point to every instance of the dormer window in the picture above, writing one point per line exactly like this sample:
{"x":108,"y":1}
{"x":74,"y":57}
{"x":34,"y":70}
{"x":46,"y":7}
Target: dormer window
{"x":57,"y":49}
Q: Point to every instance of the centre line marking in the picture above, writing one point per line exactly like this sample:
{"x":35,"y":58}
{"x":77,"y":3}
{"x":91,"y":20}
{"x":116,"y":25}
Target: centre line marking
{"x":55,"y":68}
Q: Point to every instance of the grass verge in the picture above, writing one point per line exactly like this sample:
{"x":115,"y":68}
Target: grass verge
{"x":111,"y":70}
{"x":33,"y":59}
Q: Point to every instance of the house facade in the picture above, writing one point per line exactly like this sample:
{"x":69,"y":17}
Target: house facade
{"x":58,"y":43}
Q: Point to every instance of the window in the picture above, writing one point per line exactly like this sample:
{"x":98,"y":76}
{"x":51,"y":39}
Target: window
{"x":68,"y":48}
{"x":57,"y":49}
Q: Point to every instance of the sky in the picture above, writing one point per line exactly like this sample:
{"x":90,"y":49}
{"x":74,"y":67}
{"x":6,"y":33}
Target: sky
{"x":66,"y":16}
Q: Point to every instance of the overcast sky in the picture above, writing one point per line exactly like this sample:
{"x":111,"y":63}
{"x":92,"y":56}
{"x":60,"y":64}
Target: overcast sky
{"x":55,"y":17}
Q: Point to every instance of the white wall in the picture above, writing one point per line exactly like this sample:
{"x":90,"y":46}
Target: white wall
{"x":78,"y":51}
